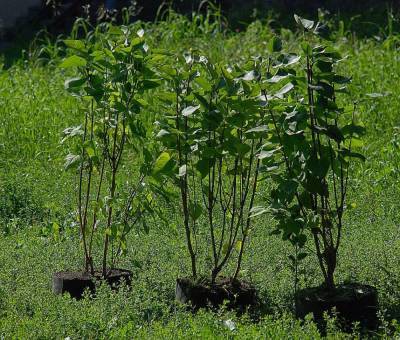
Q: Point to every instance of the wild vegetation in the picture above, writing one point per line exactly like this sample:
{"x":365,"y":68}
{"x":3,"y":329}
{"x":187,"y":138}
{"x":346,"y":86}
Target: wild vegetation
{"x":189,"y":148}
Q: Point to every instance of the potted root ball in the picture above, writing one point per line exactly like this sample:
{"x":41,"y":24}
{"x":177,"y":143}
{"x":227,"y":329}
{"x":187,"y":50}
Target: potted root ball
{"x":317,"y":140}
{"x":112,"y":77}
{"x":213,"y":145}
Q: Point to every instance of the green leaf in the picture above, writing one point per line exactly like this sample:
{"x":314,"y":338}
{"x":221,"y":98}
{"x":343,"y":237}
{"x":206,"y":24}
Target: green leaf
{"x":322,"y":30}
{"x":150,"y":84}
{"x":285,"y":89}
{"x":162,"y":133}
{"x":257,"y":210}
{"x":74,"y":83}
{"x":195,"y":210}
{"x":75,"y":44}
{"x":353,"y":129}
{"x":275,"y":44}
{"x":350,"y":154}
{"x":266,"y":154}
{"x":319,"y":167}
{"x":242,"y":148}
{"x":188,"y":111}
{"x":182,"y":170}
{"x":324,"y":66}
{"x":287,"y":60}
{"x":73,"y":61}
{"x":162,"y":164}
{"x":305,"y":23}
{"x":377,"y":95}
{"x":314,"y":185}
{"x":90,"y":148}
{"x":261,"y":128}
{"x":203,"y":166}
{"x":250,"y":76}
{"x":332,"y":131}
{"x":71,"y":161}
{"x":277,"y":78}
{"x":301,"y":256}
{"x":73,"y":131}
{"x":203,"y":101}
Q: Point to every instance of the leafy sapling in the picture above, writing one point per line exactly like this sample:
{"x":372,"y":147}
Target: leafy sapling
{"x":113,"y":67}
{"x":316,"y":136}
{"x":213,"y":143}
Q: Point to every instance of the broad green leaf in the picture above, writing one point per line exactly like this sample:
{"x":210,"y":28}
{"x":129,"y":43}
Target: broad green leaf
{"x":203,"y":166}
{"x":204,"y":83}
{"x":301,"y":256}
{"x":90,"y":148}
{"x":202,"y":101}
{"x":74,"y":83}
{"x":195,"y":210}
{"x":315,"y":185}
{"x":332,"y":131}
{"x":188,"y":111}
{"x":322,"y":30}
{"x":351,"y":129}
{"x":287,"y":60}
{"x":150,"y":84}
{"x":261,"y":128}
{"x":75,"y":44}
{"x":71,"y":161}
{"x":266,"y":154}
{"x":242,"y":148}
{"x":277,"y":78}
{"x":162,"y":133}
{"x":162,"y":164}
{"x":350,"y":154}
{"x":377,"y":95}
{"x":73,"y":131}
{"x":182,"y":170}
{"x":324,"y":65}
{"x":285,"y":89}
{"x":250,"y":76}
{"x":354,"y":143}
{"x":275,"y":44}
{"x":257,"y":210}
{"x":319,"y":167}
{"x":73,"y":61}
{"x":305,"y":23}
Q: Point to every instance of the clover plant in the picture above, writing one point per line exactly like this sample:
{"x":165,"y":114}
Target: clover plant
{"x":316,"y":134}
{"x":113,"y":66}
{"x":213,"y":141}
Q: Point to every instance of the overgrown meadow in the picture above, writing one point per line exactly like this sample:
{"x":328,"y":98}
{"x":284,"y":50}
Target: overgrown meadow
{"x":40,"y":232}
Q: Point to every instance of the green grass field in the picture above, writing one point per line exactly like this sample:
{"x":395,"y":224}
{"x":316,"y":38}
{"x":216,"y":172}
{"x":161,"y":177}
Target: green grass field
{"x":38,"y":235}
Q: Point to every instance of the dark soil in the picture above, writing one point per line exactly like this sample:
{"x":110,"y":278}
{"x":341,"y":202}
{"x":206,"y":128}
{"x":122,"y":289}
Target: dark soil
{"x":352,"y":302}
{"x":235,"y":294}
{"x":75,"y":283}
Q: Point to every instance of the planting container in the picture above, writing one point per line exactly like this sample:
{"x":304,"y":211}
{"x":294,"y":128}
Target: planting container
{"x":75,"y":283}
{"x":236,"y":294}
{"x":353,"y":302}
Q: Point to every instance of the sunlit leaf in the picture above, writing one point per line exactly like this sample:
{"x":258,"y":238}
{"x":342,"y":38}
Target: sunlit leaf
{"x":73,"y":61}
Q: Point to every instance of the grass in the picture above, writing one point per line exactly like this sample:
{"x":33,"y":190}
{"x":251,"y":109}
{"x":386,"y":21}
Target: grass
{"x":39,"y":235}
